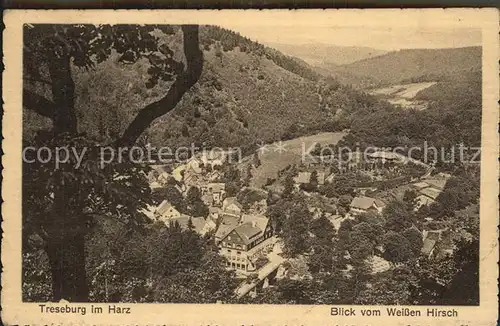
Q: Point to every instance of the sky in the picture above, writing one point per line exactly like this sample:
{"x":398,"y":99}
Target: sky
{"x":383,"y":38}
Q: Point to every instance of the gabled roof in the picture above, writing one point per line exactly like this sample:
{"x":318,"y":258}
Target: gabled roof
{"x":430,"y":192}
{"x":303,"y":177}
{"x":164,"y":207}
{"x":425,"y":200}
{"x":437,"y":183}
{"x":214,"y":175}
{"x":330,"y":177}
{"x":363,"y":202}
{"x":321,"y":177}
{"x":231,"y":201}
{"x":251,"y":226}
{"x":227,"y":224}
{"x":216,"y":187}
{"x":259,"y":220}
{"x":420,"y":185}
{"x":212,"y":209}
{"x":149,"y":211}
{"x":247,"y":232}
{"x":428,"y":245}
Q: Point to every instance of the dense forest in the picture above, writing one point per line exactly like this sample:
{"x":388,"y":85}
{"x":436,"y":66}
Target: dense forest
{"x":331,"y":266}
{"x":453,"y":118}
{"x":412,"y":65}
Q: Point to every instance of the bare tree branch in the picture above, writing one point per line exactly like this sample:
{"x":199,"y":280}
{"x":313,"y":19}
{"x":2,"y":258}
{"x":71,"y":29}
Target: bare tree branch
{"x":194,"y":59}
{"x":38,"y":104}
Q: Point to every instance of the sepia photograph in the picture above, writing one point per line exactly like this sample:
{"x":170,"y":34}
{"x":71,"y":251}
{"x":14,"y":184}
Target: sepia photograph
{"x":285,"y":163}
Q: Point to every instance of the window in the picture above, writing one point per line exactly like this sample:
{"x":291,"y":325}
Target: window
{"x":229,"y":250}
{"x":238,"y":266}
{"x":238,"y":252}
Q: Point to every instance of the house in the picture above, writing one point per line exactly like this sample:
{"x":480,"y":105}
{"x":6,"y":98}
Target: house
{"x":214,"y":212}
{"x":191,"y":166}
{"x":431,"y":193}
{"x":321,"y":178}
{"x":437,"y":183}
{"x":153,"y":175}
{"x":302,"y":178}
{"x":428,"y":191}
{"x":166,"y":211}
{"x":214,"y":176}
{"x":209,"y":226}
{"x":155,"y":185}
{"x":386,"y":156}
{"x":330,"y":178}
{"x":437,"y":243}
{"x":213,"y":193}
{"x":420,"y":185}
{"x":231,"y":206}
{"x":163,"y":177}
{"x":191,"y":178}
{"x":430,"y":240}
{"x":423,"y":200}
{"x":215,"y":157}
{"x":199,"y":223}
{"x":226,"y":224}
{"x":246,"y":242}
{"x":363,"y":204}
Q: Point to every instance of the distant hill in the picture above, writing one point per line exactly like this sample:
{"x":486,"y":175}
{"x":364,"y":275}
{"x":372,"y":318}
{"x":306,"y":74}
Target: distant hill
{"x":321,"y":55}
{"x":415,"y":65}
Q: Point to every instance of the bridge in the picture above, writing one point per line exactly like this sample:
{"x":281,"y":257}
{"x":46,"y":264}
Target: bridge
{"x":275,"y":260}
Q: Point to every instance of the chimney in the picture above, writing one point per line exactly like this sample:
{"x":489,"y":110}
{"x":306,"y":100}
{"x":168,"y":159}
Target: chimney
{"x":254,"y":224}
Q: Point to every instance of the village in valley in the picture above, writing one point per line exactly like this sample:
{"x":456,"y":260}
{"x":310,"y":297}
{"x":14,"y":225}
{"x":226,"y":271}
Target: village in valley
{"x":238,"y":221}
{"x":316,"y":173}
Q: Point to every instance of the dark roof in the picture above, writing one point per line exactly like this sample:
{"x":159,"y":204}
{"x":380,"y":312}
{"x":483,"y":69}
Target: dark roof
{"x":227,"y":224}
{"x":247,"y":232}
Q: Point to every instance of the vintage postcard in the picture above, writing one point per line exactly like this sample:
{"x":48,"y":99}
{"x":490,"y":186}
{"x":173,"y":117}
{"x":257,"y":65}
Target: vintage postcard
{"x":306,"y":167}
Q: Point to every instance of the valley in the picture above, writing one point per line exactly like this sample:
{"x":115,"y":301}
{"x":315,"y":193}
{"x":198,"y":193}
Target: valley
{"x":404,"y":95}
{"x":371,"y":222}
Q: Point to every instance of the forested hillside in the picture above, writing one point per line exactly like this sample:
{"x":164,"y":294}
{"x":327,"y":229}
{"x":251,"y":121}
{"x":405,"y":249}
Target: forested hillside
{"x":247,"y":94}
{"x":453,"y":117}
{"x":414,"y":65}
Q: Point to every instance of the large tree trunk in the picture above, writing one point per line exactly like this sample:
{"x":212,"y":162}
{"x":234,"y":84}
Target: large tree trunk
{"x":63,"y":95}
{"x":66,"y":241}
{"x":67,"y":265}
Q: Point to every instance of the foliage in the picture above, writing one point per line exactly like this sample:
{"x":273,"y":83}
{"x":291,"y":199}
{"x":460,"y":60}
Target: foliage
{"x":398,"y":216}
{"x":415,"y":240}
{"x":397,"y":249}
{"x":60,"y":203}
{"x":295,"y":230}
{"x":196,"y":206}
